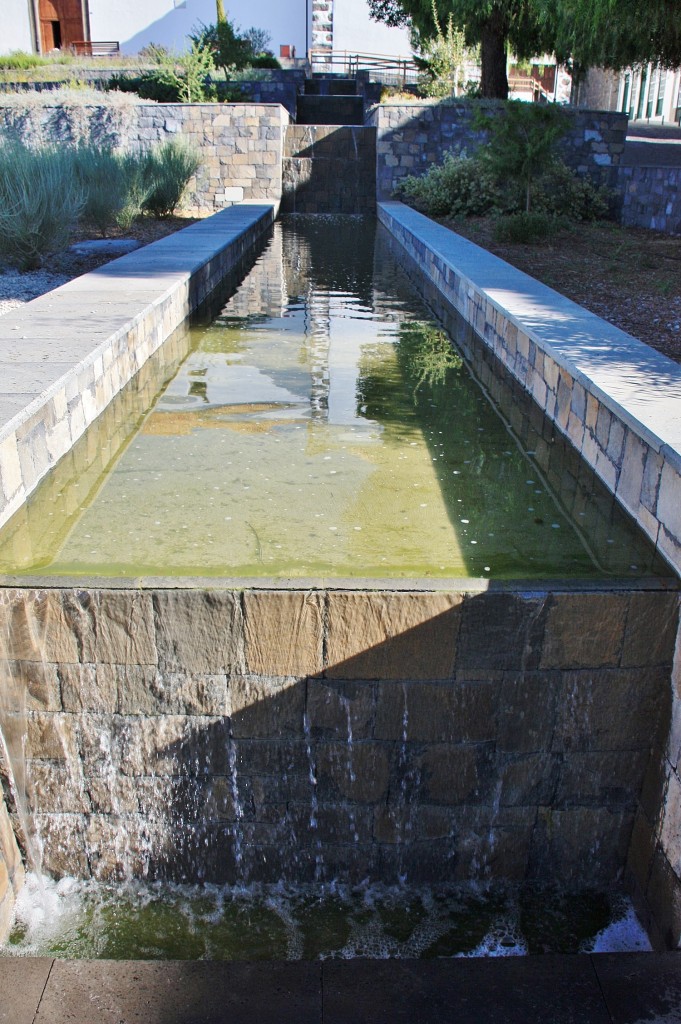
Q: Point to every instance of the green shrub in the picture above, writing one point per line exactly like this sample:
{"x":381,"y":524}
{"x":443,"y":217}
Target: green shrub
{"x":20,"y":61}
{"x":113,"y":185}
{"x":265,"y":60}
{"x":40,"y":200}
{"x":521,"y":143}
{"x":176,"y":78}
{"x":147,"y":86}
{"x":460,"y":186}
{"x":525,"y":227}
{"x":167,"y":170}
{"x":562,"y":192}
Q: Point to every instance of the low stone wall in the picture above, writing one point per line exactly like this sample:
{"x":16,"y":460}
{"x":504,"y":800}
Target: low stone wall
{"x":589,"y":377}
{"x":412,"y":136}
{"x":62,"y":362}
{"x":329,"y":169}
{"x":651,"y":198}
{"x":287,"y":734}
{"x":240,"y":144}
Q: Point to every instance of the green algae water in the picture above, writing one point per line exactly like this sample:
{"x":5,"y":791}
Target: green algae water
{"x":320,"y":426}
{"x":88,"y":920}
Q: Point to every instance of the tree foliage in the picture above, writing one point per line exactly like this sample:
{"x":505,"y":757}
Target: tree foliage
{"x":584,"y":33}
{"x":494,"y":25}
{"x":615,"y":33}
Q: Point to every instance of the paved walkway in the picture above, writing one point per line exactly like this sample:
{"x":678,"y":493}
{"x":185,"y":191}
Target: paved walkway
{"x":605,"y":988}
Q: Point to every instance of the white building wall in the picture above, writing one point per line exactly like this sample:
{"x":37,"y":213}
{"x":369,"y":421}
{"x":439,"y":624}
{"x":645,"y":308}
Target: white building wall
{"x":16,"y":27}
{"x":136,"y":23}
{"x":354,"y":31}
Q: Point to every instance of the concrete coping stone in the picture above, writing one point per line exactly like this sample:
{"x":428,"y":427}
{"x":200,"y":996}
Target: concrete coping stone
{"x":640,"y":386}
{"x":157,"y":269}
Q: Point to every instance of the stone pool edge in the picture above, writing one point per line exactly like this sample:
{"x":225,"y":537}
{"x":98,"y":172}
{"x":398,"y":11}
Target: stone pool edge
{"x":590,"y":378}
{"x":149,"y":293}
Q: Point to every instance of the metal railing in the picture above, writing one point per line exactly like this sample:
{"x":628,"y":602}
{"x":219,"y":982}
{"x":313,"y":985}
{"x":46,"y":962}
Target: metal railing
{"x":401,"y":70}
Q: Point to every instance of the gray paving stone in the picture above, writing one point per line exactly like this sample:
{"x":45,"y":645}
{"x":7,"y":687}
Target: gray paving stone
{"x":22,"y":980}
{"x":641,"y":987}
{"x":190,"y":992}
{"x":513,"y":990}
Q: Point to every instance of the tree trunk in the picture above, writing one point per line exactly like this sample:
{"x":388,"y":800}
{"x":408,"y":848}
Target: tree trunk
{"x":494,"y":82}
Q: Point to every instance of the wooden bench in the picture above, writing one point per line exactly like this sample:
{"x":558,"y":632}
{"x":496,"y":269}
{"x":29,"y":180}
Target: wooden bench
{"x":90,"y":48}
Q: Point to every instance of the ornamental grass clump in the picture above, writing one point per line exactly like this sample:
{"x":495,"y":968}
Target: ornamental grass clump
{"x":166,"y":173}
{"x":113,"y":185}
{"x":40,"y":201}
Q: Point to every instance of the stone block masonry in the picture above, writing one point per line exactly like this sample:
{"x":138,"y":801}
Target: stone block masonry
{"x":329,"y":169}
{"x":412,"y":136}
{"x":240,"y":144}
{"x":651,"y":198}
{"x":266,"y":734}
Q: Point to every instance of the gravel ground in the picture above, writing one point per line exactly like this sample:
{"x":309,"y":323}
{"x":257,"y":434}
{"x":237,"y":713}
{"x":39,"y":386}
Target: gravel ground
{"x":16,"y":287}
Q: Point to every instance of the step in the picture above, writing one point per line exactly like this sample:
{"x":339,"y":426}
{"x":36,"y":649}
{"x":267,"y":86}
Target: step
{"x":330,"y":110}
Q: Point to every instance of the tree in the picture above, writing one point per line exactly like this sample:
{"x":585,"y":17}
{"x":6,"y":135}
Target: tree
{"x":615,"y":33}
{"x":494,"y":25}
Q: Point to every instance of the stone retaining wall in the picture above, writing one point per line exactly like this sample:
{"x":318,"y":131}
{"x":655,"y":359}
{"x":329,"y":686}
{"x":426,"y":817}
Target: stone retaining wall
{"x":253,"y":735}
{"x":240,"y":144}
{"x":651,"y":198}
{"x":412,"y":136}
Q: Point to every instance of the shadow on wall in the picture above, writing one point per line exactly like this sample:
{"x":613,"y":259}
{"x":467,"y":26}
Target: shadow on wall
{"x":265,"y":735}
{"x":329,"y":169}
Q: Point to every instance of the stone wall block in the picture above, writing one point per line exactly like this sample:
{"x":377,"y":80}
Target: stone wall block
{"x":360,"y":773}
{"x":88,"y":688}
{"x":461,"y":712}
{"x":559,"y":835}
{"x":391,"y":636}
{"x":602,"y":710}
{"x":340,"y":708}
{"x":38,"y":628}
{"x":670,"y":830}
{"x":266,"y":707}
{"x":584,"y":630}
{"x":601,"y":778}
{"x":198,"y":631}
{"x":125,"y":629}
{"x":457,"y":774}
{"x":651,"y":629}
{"x":501,"y":631}
{"x":283,"y":632}
{"x":64,"y":853}
{"x":527,"y":711}
{"x":663,"y":896}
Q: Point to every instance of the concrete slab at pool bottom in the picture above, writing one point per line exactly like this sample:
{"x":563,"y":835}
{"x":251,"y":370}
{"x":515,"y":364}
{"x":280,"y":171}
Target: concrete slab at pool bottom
{"x":610,"y":988}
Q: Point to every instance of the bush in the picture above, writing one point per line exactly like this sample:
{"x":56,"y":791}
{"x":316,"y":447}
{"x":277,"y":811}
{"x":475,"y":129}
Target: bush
{"x":166,"y":173}
{"x":114,"y":187}
{"x":40,"y":200}
{"x":147,"y":86}
{"x":459,"y":186}
{"x":525,"y":227}
{"x":265,"y":60}
{"x":20,"y":61}
{"x":522,"y":140}
{"x":562,"y":192}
